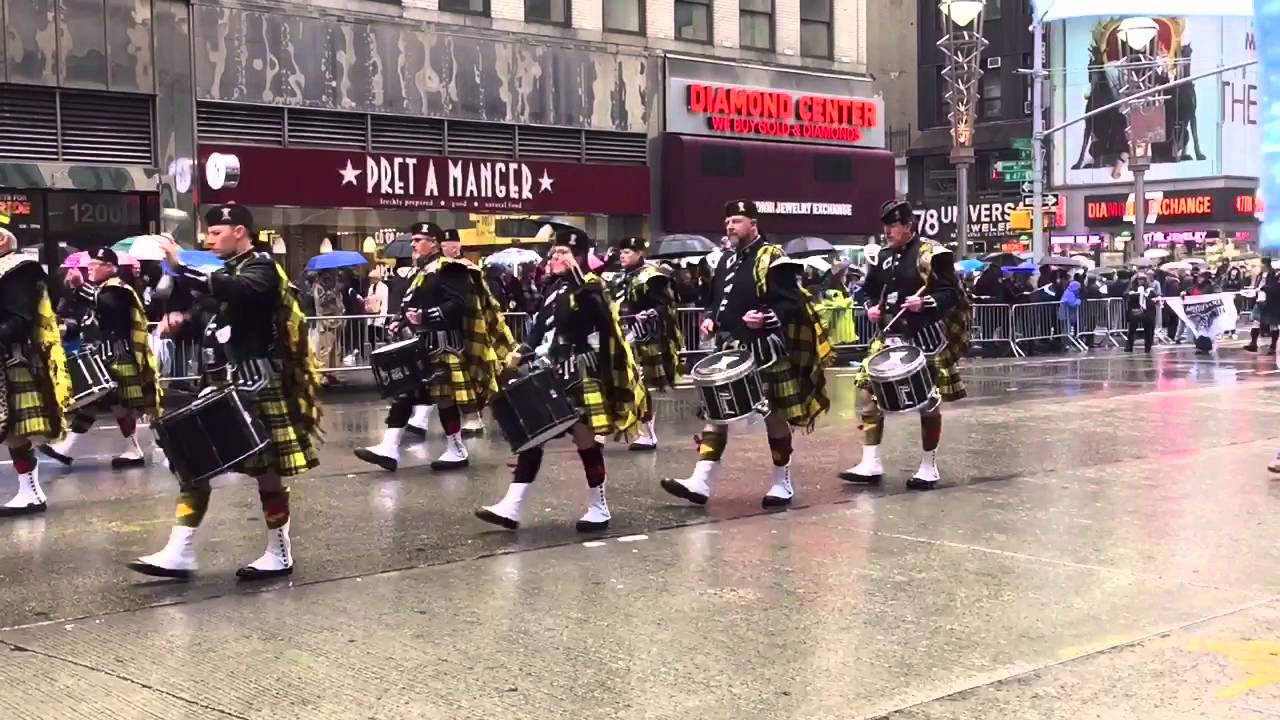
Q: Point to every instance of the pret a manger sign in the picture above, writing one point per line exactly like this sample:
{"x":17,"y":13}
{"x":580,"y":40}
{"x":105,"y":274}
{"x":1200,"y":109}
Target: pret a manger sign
{"x":765,"y":113}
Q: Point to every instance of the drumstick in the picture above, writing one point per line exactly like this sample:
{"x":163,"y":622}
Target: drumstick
{"x":918,"y":293}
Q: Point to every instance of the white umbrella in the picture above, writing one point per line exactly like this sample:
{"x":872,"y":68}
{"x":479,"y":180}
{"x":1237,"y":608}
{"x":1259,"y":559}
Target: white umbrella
{"x":513,"y":257}
{"x":818,"y":263}
{"x":1176,"y":265}
{"x":1088,"y":261}
{"x":1156,"y":253}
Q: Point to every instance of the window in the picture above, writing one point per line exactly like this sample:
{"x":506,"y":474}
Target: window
{"x":624,"y":16}
{"x":723,"y":162}
{"x":815,"y":28}
{"x":992,"y":107}
{"x":470,"y":7}
{"x":693,"y":20}
{"x":755,"y":24}
{"x":992,"y":10}
{"x":547,"y":11}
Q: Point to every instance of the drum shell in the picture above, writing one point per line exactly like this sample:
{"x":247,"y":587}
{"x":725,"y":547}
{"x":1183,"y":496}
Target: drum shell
{"x":90,"y":378}
{"x":732,"y":394}
{"x":401,"y":368}
{"x":210,"y":436}
{"x":533,"y":409}
{"x":903,"y":390}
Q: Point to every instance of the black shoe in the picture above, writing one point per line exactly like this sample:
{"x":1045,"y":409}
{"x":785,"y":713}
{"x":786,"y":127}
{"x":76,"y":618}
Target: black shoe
{"x":916,"y":483}
{"x":856,"y":479}
{"x":770,"y":501}
{"x":1247,"y":348}
{"x":386,"y":463}
{"x":470,"y":433}
{"x":439,"y":465}
{"x":49,"y":452}
{"x":641,"y":447}
{"x":586,"y":526}
{"x":24,"y":510}
{"x":415,"y":431}
{"x":495,"y":519}
{"x":679,"y":490}
{"x":248,"y":573}
{"x":119,"y":463}
{"x":156,"y":571}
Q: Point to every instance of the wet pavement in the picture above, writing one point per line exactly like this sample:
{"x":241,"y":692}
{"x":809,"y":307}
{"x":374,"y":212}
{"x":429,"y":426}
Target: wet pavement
{"x":1104,"y":546}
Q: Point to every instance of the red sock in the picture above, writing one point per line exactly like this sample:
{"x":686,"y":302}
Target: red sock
{"x":930,"y":431}
{"x":450,"y":419}
{"x":780,"y":448}
{"x":593,"y":465}
{"x":128,"y":425}
{"x":24,"y":458}
{"x":275,"y":508}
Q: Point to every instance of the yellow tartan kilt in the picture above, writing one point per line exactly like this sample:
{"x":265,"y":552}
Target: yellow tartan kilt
{"x":950,"y":385}
{"x":649,"y":361}
{"x":30,"y":413}
{"x":291,"y":451}
{"x":452,"y":382}
{"x":588,"y":396}
{"x":130,"y":392}
{"x":790,"y":394}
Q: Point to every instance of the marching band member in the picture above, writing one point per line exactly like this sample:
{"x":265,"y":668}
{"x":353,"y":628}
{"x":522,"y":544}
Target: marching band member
{"x":411,"y":412}
{"x":36,"y":388}
{"x":118,"y":323}
{"x":648,"y":307}
{"x":757,"y":301}
{"x":256,"y":339}
{"x":577,"y":329}
{"x":451,"y":247}
{"x":917,"y":274}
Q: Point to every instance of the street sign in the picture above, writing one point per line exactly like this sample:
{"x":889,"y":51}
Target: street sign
{"x":1004,"y":166}
{"x":1050,"y":200}
{"x":1021,"y":144}
{"x":1016,"y":176}
{"x":1028,"y":188}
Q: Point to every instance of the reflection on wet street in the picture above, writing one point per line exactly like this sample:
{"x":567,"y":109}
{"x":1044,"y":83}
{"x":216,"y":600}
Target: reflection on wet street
{"x":1104,"y":538}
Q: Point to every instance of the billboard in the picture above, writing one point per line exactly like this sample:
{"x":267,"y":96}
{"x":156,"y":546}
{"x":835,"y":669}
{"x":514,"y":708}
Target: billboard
{"x":1210,"y":125}
{"x":1050,"y":10}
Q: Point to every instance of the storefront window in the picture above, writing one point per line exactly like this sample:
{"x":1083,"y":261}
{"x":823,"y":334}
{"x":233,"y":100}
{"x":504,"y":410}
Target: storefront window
{"x":755,"y":24}
{"x":84,"y":220}
{"x":624,"y":15}
{"x":693,"y":20}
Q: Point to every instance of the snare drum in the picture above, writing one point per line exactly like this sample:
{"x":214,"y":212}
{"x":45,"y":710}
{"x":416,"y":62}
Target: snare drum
{"x":400,"y":368}
{"x":729,"y":385}
{"x":900,"y":378}
{"x":533,"y":409}
{"x":90,"y":380}
{"x":210,"y":436}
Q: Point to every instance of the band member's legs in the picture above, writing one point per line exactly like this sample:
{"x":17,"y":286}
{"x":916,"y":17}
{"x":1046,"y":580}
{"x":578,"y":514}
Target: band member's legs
{"x":697,"y":487}
{"x":927,"y":475}
{"x":648,"y":439}
{"x":30,"y":497}
{"x":591,"y":453}
{"x":127,"y":421}
{"x":455,"y":452}
{"x":420,"y":420}
{"x":277,"y":559}
{"x":177,"y":559}
{"x":779,"y":431}
{"x":870,"y":470}
{"x":79,"y":423}
{"x":386,"y":454}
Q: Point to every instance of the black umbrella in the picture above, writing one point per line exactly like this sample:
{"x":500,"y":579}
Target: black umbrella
{"x":401,"y":247}
{"x":678,"y":246}
{"x":807,"y":246}
{"x":1003,"y":259}
{"x":1059,"y":261}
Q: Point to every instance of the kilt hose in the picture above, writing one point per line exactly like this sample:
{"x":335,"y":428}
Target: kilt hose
{"x":950,"y":385}
{"x":291,"y":451}
{"x":31,"y":415}
{"x":451,"y":381}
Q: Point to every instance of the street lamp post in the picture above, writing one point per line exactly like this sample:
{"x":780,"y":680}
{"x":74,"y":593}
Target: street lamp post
{"x":1144,"y":117}
{"x":962,"y":46}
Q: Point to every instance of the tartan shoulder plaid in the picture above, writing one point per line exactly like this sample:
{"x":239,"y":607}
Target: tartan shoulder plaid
{"x":486,"y":339}
{"x":659,"y":359}
{"x":146,"y":397}
{"x":957,"y":322}
{"x":299,"y":378}
{"x":619,"y":381}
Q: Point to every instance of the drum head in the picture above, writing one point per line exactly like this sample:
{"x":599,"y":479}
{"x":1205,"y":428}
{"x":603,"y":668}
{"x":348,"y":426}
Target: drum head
{"x":894,"y":362}
{"x":397,"y":346}
{"x":723,"y":366}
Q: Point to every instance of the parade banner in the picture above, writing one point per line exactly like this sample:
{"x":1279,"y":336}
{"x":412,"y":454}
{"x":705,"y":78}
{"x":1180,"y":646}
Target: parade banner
{"x":1206,"y":315}
{"x":1050,"y":10}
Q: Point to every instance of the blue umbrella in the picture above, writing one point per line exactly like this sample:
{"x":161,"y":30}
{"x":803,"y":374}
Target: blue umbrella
{"x":201,"y":260}
{"x":336,"y":259}
{"x":970,"y":265}
{"x":1026,"y":267}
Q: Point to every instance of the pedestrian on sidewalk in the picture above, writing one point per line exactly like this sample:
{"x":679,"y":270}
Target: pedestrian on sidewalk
{"x":1141,"y":306}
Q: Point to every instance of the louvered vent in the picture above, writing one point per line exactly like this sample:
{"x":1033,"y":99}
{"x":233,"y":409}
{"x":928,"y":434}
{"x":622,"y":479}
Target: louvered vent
{"x":547,"y":143}
{"x":480,"y":140}
{"x":412,"y":136}
{"x":617,"y":148}
{"x":240,"y":124}
{"x":28,"y":123}
{"x":316,"y":128}
{"x":106,"y":128}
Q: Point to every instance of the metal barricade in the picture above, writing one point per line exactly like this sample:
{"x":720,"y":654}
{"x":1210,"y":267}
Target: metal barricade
{"x":1040,"y":322}
{"x":992,"y":325}
{"x":519,"y":324}
{"x":695,"y":346}
{"x":1103,"y":318}
{"x":345,"y":342}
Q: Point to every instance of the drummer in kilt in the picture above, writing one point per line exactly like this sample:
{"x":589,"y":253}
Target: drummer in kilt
{"x":576,"y":330}
{"x":36,"y":389}
{"x":917,"y":274}
{"x":255,"y":338}
{"x":449,"y":305}
{"x":757,"y":302}
{"x":117,"y":324}
{"x":647,"y":306}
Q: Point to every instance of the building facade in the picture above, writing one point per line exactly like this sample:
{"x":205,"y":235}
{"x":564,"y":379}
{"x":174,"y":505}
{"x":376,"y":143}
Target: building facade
{"x":1003,"y":129}
{"x":341,"y":121}
{"x":1201,"y":188}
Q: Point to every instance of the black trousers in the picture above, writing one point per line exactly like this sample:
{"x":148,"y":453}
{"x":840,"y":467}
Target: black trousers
{"x":402,"y":408}
{"x":1148,"y":325}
